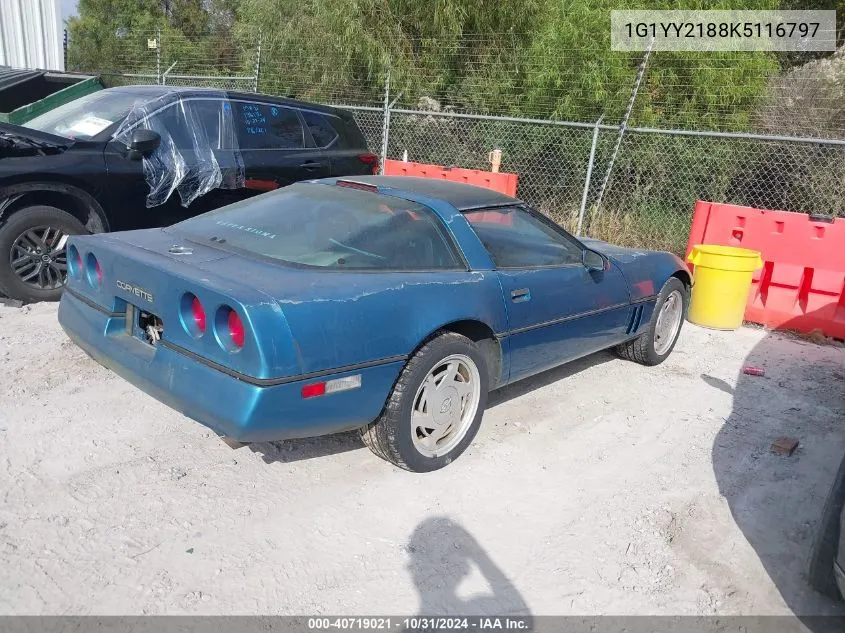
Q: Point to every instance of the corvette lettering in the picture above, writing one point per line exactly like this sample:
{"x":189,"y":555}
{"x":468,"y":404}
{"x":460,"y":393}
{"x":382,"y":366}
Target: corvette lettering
{"x":135,"y":290}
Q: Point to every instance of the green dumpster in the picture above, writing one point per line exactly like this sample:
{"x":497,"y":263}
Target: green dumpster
{"x":24,"y":94}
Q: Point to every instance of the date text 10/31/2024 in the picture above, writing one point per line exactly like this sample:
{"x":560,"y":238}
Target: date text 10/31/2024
{"x":420,"y":623}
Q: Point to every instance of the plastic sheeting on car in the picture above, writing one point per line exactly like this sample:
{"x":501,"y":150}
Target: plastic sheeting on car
{"x":199,"y":149}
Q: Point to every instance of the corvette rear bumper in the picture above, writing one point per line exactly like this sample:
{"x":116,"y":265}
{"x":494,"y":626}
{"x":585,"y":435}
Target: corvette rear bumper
{"x":243,"y":411}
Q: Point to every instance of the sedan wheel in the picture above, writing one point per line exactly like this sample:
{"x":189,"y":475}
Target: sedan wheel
{"x":33,"y":252}
{"x":39,"y":259}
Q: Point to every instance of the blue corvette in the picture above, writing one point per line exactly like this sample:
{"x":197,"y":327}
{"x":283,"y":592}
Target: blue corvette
{"x":389,"y":304}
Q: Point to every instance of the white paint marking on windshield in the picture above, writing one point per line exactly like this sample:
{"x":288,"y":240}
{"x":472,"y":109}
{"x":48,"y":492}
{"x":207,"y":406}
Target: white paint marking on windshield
{"x":247,"y":229}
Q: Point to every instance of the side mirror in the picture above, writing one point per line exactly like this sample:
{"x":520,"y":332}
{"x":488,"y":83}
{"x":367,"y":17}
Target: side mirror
{"x":144,"y":142}
{"x":593,"y":261}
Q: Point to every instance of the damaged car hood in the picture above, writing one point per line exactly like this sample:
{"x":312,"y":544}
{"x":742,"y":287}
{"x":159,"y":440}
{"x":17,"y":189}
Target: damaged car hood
{"x":16,"y":140}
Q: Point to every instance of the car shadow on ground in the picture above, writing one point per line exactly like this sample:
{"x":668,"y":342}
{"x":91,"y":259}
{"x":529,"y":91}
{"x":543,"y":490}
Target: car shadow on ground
{"x":297,"y":450}
{"x":454,"y":575}
{"x":778,"y":501}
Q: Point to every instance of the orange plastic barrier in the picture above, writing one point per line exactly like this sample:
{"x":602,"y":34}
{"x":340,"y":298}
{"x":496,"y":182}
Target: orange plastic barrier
{"x":500,"y":181}
{"x":802,"y":282}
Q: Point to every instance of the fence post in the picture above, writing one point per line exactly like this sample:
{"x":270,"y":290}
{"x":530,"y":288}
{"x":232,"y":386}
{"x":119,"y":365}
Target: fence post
{"x":624,"y":124}
{"x":64,"y":51}
{"x":589,"y":176}
{"x":257,"y":63}
{"x":385,"y":126}
{"x":158,"y":56}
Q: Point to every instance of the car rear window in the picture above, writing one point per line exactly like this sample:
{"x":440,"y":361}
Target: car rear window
{"x":330,"y":227}
{"x":320,"y":127}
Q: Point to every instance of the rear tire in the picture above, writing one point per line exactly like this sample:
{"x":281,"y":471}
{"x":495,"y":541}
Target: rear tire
{"x":33,"y":257}
{"x":655,"y":344}
{"x":435,"y":408}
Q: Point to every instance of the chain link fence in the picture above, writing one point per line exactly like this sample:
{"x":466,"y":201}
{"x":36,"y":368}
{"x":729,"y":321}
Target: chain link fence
{"x":372,"y":122}
{"x":550,"y":158}
{"x":658,"y":176}
{"x":653,"y":184}
{"x":113,"y":80}
{"x":774,"y":144}
{"x":242,"y":84}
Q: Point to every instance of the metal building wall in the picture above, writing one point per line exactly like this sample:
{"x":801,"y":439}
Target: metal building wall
{"x":31,"y":34}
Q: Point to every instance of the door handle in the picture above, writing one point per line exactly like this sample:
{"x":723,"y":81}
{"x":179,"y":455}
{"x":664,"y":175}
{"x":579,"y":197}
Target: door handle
{"x":520,"y":294}
{"x":311,"y":164}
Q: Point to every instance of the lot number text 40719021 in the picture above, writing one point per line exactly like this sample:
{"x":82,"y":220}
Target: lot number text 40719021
{"x":419,"y":623}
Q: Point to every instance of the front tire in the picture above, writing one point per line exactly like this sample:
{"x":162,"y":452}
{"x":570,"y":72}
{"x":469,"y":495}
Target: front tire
{"x":436,"y":406}
{"x":655,"y":344}
{"x":33,"y":256}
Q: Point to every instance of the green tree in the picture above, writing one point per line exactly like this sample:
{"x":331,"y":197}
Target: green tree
{"x":112,"y":34}
{"x":535,"y":58}
{"x":190,"y":17}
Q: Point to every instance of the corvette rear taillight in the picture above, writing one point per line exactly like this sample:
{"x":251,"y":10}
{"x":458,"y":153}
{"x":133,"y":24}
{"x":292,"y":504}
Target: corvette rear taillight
{"x":370,"y":159}
{"x":229,"y":330}
{"x":93,"y":272}
{"x":198,"y":314}
{"x":236,"y":329}
{"x":192,"y":314}
{"x":74,"y":261}
{"x":331,"y":386}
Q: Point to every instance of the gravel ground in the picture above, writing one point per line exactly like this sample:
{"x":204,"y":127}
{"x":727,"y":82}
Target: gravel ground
{"x":599,"y":488}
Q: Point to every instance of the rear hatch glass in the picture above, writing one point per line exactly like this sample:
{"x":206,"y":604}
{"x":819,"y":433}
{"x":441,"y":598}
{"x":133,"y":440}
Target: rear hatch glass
{"x":330,"y":227}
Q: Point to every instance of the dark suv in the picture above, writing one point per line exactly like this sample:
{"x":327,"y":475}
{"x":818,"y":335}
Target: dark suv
{"x":139,"y":157}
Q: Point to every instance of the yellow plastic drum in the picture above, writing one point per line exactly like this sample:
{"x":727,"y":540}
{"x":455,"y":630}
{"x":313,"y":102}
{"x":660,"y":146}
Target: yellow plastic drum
{"x":722,"y":280}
